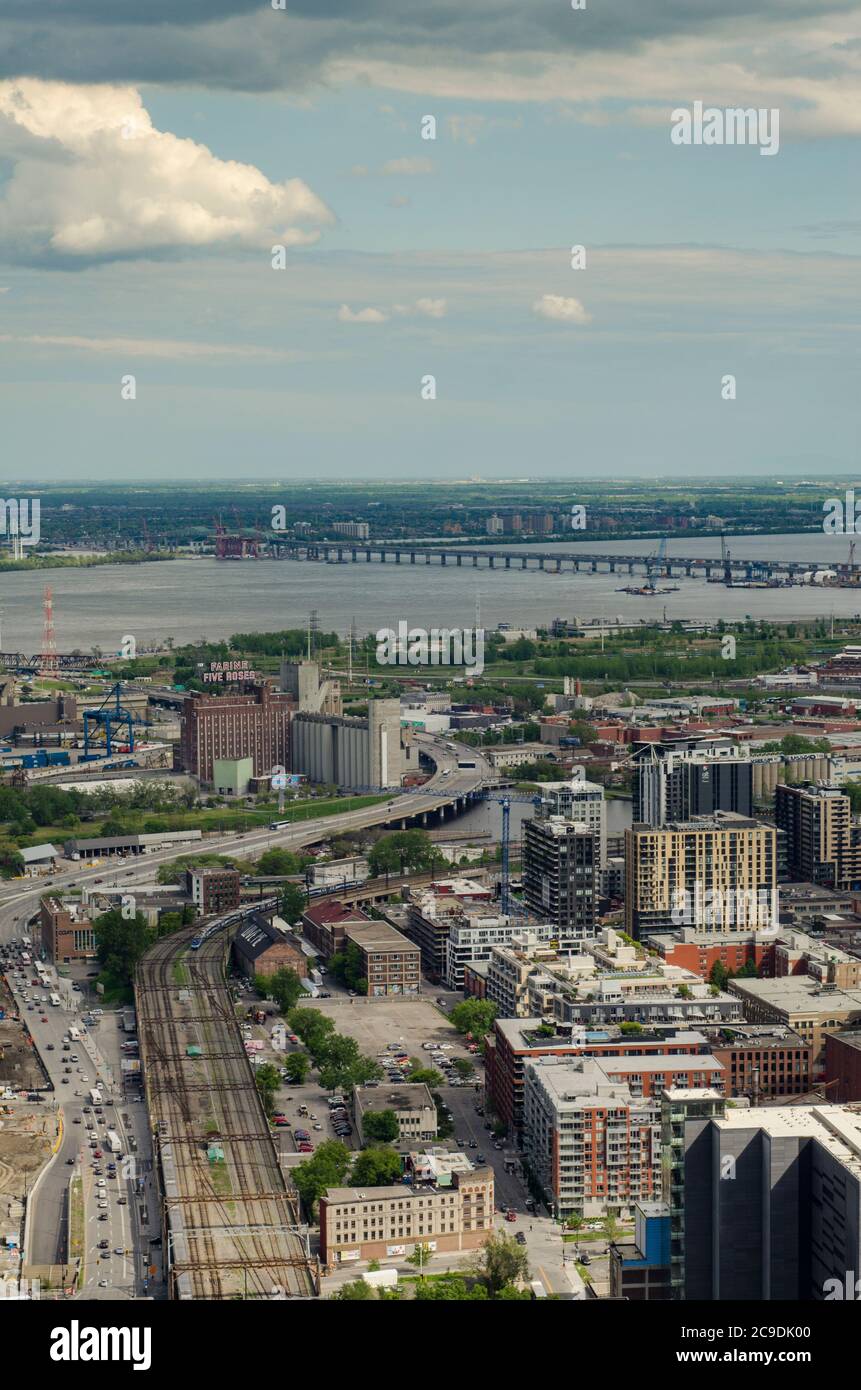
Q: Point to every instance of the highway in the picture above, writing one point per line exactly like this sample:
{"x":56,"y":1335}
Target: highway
{"x":114,"y":1211}
{"x":19,"y":902}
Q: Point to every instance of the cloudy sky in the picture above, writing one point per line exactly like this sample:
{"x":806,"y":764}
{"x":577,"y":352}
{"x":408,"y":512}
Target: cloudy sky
{"x":150,"y":163}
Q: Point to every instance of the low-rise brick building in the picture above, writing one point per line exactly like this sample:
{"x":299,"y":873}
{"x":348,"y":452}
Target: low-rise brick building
{"x":386,"y":1223}
{"x":67,"y":935}
{"x":259,"y":948}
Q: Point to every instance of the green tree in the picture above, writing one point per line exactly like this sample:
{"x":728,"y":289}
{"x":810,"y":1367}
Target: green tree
{"x":293,"y":902}
{"x":297,"y":1065}
{"x":327,"y":1168}
{"x":278,"y":861}
{"x":377,"y":1167}
{"x":121,"y":942}
{"x":313,"y":1028}
{"x":473,"y":1016}
{"x":501,"y":1261}
{"x":427,"y":1076}
{"x":381,"y":1125}
{"x":268,"y":1081}
{"x":719,"y":974}
{"x":357,"y":1291}
{"x":11,"y":860}
{"x":454,"y":1289}
{"x":463,"y":1067}
{"x":284,"y":987}
{"x":421,"y":1257}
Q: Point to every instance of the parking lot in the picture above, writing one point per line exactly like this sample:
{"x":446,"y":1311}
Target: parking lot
{"x":375,"y":1023}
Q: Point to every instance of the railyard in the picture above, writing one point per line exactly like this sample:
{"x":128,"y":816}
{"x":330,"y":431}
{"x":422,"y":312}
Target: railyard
{"x":230,"y":1223}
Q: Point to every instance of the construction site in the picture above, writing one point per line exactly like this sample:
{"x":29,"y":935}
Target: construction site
{"x":230,"y":1222}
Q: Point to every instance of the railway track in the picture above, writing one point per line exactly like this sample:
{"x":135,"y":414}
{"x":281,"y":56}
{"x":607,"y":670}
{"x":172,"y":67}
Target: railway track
{"x":230,"y":1224}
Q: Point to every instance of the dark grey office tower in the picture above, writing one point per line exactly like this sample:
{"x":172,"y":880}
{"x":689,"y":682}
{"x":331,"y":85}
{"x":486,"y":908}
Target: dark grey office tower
{"x":765,"y":1203}
{"x":559,"y":875}
{"x":671,"y":785}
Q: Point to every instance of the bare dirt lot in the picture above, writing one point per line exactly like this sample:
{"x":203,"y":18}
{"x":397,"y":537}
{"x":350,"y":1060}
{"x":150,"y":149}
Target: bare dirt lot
{"x":19,"y":1064}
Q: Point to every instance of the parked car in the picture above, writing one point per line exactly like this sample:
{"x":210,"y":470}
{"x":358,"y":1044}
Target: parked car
{"x":520,"y":1237}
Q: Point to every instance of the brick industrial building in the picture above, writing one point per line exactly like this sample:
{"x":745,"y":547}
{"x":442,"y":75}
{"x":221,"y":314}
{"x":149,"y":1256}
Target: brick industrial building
{"x":213,"y":889}
{"x":252,"y":725}
{"x":389,"y":962}
{"x":66,"y":936}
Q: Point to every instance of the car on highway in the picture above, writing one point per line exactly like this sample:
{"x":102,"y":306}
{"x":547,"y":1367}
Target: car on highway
{"x":71,"y":1162}
{"x":122,"y":1201}
{"x":118,"y":1250}
{"x":104,"y":1244}
{"x":103,"y":1215}
{"x":50,"y":1047}
{"x":106,"y":1254}
{"x":43,"y":1019}
{"x":480,"y":1158}
{"x":98,"y":1153}
{"x":102,"y":1206}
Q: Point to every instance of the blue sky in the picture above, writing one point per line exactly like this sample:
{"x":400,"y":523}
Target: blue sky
{"x":146,"y":170}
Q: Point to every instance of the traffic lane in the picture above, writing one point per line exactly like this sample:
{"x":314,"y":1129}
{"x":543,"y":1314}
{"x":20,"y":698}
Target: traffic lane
{"x":509,"y":1190}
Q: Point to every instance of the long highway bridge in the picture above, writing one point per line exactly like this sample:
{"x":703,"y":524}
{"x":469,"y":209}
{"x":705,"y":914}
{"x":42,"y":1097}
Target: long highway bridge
{"x":559,"y":562}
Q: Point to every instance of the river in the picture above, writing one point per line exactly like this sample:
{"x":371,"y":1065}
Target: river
{"x":189,"y":598}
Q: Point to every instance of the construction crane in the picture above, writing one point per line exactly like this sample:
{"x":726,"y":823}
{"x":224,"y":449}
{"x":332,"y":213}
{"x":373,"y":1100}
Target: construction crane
{"x":656,"y":562}
{"x":503,"y":799}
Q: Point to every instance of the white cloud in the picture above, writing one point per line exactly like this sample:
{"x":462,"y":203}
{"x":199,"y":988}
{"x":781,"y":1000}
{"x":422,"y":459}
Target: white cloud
{"x":431,"y":308}
{"x":415,"y":164}
{"x":94,"y":179}
{"x":347,"y":315}
{"x":149,"y":347}
{"x":561,"y":310}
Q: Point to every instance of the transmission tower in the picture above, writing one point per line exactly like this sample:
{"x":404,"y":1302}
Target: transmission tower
{"x":49,"y":665}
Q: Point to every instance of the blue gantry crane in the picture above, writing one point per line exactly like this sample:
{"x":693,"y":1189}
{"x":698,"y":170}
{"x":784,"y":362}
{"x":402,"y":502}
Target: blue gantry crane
{"x":110,"y":717}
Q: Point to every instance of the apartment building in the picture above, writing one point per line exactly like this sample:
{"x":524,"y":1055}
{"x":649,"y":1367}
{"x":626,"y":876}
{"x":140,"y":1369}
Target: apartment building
{"x":560,"y":876}
{"x":591,"y":1144}
{"x":802,"y":1004}
{"x":515,"y":1043}
{"x":761,"y":1061}
{"x":473,"y":937}
{"x":670,"y":785}
{"x":765,"y":1203}
{"x":821,"y":844}
{"x":433,"y":912}
{"x":716,"y":873}
{"x":581,"y":801}
{"x":386,"y":1223}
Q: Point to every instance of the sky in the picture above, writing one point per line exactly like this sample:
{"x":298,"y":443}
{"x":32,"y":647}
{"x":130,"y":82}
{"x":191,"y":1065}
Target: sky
{"x":227,"y":249}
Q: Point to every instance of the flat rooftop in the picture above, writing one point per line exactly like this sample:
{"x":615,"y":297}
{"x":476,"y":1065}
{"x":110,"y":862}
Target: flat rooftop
{"x":797,"y":994}
{"x":416,"y":1097}
{"x":836,"y":1127}
{"x":378,"y":936}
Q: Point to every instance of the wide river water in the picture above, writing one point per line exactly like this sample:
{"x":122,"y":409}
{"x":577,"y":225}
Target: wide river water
{"x":189,"y":598}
